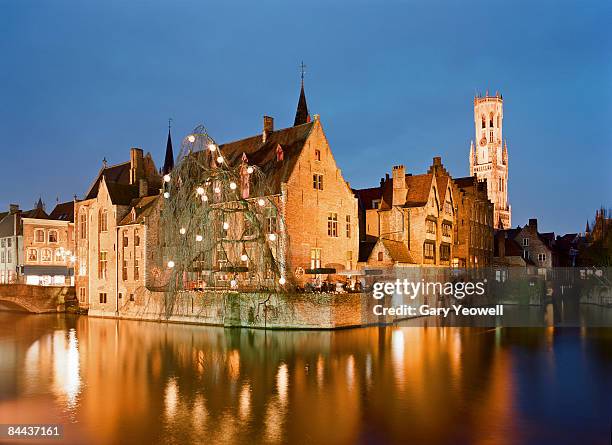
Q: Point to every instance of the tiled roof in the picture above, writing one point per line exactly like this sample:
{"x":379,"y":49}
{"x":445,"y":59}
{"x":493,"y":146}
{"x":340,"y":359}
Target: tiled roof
{"x":63,"y":211}
{"x":418,"y":190}
{"x":365,"y":250}
{"x":291,"y":141}
{"x":140,"y":209}
{"x":119,"y":173}
{"x":37,"y":212}
{"x":398,"y":251}
{"x":121,"y":194}
{"x":366,"y":196}
{"x":441,"y":182}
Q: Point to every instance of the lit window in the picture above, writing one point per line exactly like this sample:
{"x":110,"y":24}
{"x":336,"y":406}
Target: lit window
{"x":315,"y":258}
{"x":102,"y":265}
{"x":32,"y":255}
{"x":428,"y":250}
{"x":45,"y":255}
{"x":348,"y":226}
{"x":332,"y":225}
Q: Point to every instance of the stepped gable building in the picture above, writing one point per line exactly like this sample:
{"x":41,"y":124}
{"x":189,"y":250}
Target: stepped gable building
{"x":489,"y":155}
{"x":317,"y":206}
{"x":408,"y":220}
{"x":429,"y":219}
{"x":99,"y":257}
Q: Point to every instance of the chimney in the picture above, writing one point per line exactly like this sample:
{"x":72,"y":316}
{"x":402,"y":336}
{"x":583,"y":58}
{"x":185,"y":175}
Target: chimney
{"x":268,"y":127}
{"x":13,"y":208}
{"x":399,"y":185}
{"x":143,"y":188}
{"x":533,"y":223}
{"x":136,"y":165}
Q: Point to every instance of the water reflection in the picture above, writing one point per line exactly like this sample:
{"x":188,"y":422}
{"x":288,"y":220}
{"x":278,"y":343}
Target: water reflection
{"x":123,"y":381}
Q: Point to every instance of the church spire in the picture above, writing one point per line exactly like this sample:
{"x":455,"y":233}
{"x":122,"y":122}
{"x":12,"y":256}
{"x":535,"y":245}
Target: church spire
{"x":301,"y":114}
{"x":169,"y":160}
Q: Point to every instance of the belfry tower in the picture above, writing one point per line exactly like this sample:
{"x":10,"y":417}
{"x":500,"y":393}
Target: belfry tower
{"x":489,"y":156}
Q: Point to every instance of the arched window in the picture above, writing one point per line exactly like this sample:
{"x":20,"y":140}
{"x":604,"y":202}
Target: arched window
{"x":484,"y":122}
{"x":491,"y":120}
{"x":52,"y":236}
{"x":498,"y":121}
{"x":103,"y":221}
{"x":83,"y":225}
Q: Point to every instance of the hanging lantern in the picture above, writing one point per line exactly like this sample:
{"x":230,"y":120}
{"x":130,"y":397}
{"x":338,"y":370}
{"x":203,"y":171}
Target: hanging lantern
{"x":233,"y":185}
{"x":166,"y":195}
{"x":167,"y":178}
{"x":199,"y":238}
{"x":183,"y":231}
{"x":170,"y":264}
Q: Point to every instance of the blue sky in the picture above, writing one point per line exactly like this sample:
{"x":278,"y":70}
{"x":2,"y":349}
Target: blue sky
{"x":393,"y":82}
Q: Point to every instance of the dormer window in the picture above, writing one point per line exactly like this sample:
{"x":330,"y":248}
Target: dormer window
{"x":376,"y":203}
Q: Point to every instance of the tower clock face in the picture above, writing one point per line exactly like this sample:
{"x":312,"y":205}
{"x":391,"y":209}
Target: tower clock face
{"x":483,"y":141}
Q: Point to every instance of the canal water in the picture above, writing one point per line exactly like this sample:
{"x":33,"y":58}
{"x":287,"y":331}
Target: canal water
{"x":110,"y":382}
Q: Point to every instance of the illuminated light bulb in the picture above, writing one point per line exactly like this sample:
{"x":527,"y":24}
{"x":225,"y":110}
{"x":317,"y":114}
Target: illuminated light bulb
{"x":199,"y":238}
{"x":233,"y":185}
{"x":166,"y":195}
{"x":261,"y":202}
{"x":191,"y":138}
{"x":249,"y":169}
{"x":204,"y":198}
{"x":217,"y":189}
{"x":167,"y":178}
{"x":244,"y":257}
{"x":225,"y":225}
{"x":212,"y":147}
{"x":282,"y":281}
{"x":233,"y":283}
{"x":272,"y":237}
{"x":182,"y":231}
{"x":200,"y":190}
{"x":220,"y":159}
{"x":170,"y":264}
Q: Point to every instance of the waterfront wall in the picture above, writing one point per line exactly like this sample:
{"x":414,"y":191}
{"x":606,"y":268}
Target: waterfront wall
{"x":255,"y":309}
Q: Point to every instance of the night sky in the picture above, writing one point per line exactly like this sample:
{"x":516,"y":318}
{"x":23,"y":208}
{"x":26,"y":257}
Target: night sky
{"x":393,"y":82}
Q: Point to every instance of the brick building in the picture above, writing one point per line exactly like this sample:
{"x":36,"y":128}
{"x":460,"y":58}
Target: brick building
{"x":318,"y":208}
{"x":48,"y":245}
{"x":408,"y":220}
{"x":537,"y":249}
{"x":97,"y":228}
{"x":474,"y":224}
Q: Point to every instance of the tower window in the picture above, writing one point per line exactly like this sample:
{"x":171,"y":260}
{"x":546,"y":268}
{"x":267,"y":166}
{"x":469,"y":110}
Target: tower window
{"x":491,"y":121}
{"x":484,"y":122}
{"x":491,"y":136}
{"x":497,"y":121}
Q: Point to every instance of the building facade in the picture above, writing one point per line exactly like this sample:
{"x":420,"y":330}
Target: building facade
{"x":97,"y":221}
{"x":409,"y":220}
{"x":489,"y":155}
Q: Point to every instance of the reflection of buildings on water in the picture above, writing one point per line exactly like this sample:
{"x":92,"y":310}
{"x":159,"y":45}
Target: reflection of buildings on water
{"x":138,"y":380}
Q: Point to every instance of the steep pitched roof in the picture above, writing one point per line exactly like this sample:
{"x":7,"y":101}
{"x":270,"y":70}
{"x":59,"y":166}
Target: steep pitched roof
{"x":119,"y":173}
{"x":301,"y":114}
{"x":365,"y":250}
{"x":441,"y":183}
{"x":63,"y":211}
{"x":263,"y":154}
{"x":418,"y":190}
{"x":398,"y":251}
{"x":37,"y":212}
{"x":140,"y":209}
{"x":121,"y":194}
{"x":169,"y":159}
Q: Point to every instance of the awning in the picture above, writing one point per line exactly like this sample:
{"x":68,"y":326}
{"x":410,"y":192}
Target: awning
{"x":321,"y":271}
{"x":48,"y":270}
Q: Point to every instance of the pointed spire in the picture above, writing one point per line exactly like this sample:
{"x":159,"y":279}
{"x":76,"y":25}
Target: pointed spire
{"x":169,"y":160}
{"x":40,"y":204}
{"x":301,"y":114}
{"x":588,"y":229}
